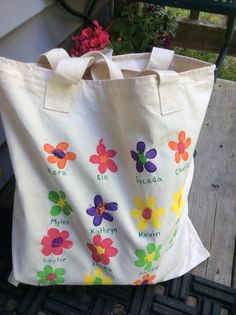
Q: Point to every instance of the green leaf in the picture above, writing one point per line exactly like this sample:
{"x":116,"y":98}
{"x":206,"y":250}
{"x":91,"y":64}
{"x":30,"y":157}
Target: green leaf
{"x":140,"y":253}
{"x":41,"y":274}
{"x":140,"y":263}
{"x":151,"y":247}
{"x":55,"y":210}
{"x":148,"y":266}
{"x":59,"y":271}
{"x":67,"y":209}
{"x":42,"y":281}
{"x":157,"y":256}
{"x":98,"y":281}
{"x":53,"y":196}
{"x":62,"y":195}
{"x":59,"y":280}
{"x":48,"y":269}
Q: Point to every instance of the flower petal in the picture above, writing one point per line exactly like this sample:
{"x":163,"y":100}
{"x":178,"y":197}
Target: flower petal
{"x":148,"y":266}
{"x":107,"y":281}
{"x":134,"y":155}
{"x":64,"y":234}
{"x":101,"y":148}
{"x":150,"y":167}
{"x":111,"y":251}
{"x":181,"y":136}
{"x":91,"y":211}
{"x":139,"y":203}
{"x":151,"y":154}
{"x":97,"y":240}
{"x":173,"y":145}
{"x":95,"y":159}
{"x":136,"y":213}
{"x":187,"y":143}
{"x":70,"y":156}
{"x":112,"y":165}
{"x":62,"y":146}
{"x":156,"y":223}
{"x":61,"y":163}
{"x":46,"y":241}
{"x":140,"y":253}
{"x":67,"y":209}
{"x":107,"y":216}
{"x":46,"y":250}
{"x":185,"y":156}
{"x":177,"y":157}
{"x":111,"y":206}
{"x":53,"y":233}
{"x":98,"y":273}
{"x":151,"y":202}
{"x":62,"y":195}
{"x":142,"y":225}
{"x":140,"y":263}
{"x":91,"y":247}
{"x":53,"y":196}
{"x":141,"y":147}
{"x":96,"y":257}
{"x":98,"y":201}
{"x":104,"y":259}
{"x":57,"y":250}
{"x":52,"y":159}
{"x":111,"y":153}
{"x":89,"y":279}
{"x":151,"y":247}
{"x":48,"y":148}
{"x":106,"y":242}
{"x":139,"y":166}
{"x":55,"y":211}
{"x":60,"y":271}
{"x":97,"y":220}
{"x":102,"y":168}
{"x":67,"y":244}
{"x":48,"y":269}
{"x":59,"y":280}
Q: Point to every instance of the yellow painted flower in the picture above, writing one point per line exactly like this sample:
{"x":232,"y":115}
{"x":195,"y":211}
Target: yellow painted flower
{"x":97,"y":279}
{"x":178,"y":202}
{"x":147,"y":213}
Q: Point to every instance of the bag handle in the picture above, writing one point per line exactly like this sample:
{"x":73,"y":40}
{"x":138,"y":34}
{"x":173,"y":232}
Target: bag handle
{"x":51,"y":58}
{"x":67,"y":74}
{"x":160,"y":59}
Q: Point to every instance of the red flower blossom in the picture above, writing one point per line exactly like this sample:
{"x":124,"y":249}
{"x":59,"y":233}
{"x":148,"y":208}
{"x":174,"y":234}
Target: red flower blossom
{"x":55,"y":242}
{"x":146,"y":279}
{"x":91,"y":39}
{"x":102,"y":250}
{"x":104,"y":158}
{"x":59,"y":155}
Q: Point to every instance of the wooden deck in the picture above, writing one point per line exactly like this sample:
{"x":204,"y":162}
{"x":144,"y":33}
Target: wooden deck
{"x":213,"y":193}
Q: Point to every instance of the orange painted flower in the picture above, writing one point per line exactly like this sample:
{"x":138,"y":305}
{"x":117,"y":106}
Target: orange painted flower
{"x":59,"y":154}
{"x":146,"y":279}
{"x":180,"y":147}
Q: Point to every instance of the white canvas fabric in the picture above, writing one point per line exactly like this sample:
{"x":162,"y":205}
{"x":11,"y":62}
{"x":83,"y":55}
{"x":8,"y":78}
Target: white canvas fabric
{"x":102,"y":153}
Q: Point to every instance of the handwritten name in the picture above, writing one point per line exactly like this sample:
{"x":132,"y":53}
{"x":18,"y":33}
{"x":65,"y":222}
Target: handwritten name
{"x":102,"y":267}
{"x":179,"y":170}
{"x":102,"y":177}
{"x":145,"y":181}
{"x":52,"y":261}
{"x":148,"y":271}
{"x":149,"y":234}
{"x":55,"y":172}
{"x":103,"y":231}
{"x":59,"y":222}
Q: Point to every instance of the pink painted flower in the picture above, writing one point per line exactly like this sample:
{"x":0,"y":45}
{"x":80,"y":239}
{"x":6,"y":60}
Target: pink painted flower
{"x":55,"y":242}
{"x":91,"y":39}
{"x":102,"y":249}
{"x":104,"y":158}
{"x":180,"y":147}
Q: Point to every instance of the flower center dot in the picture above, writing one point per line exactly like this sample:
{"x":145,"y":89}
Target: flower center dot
{"x":181,"y":147}
{"x":145,"y":282}
{"x":61,"y":203}
{"x":149,"y":257}
{"x":57,"y":242}
{"x":51,"y":276}
{"x":58,"y":153}
{"x":142,"y":158}
{"x":103,"y":158}
{"x":147,"y":213}
{"x":100,"y":250}
{"x":101,"y":209}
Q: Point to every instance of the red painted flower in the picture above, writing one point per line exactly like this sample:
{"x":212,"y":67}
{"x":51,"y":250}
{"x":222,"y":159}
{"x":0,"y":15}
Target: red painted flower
{"x":102,"y":250}
{"x":146,"y":279}
{"x":59,"y":154}
{"x":180,"y":147}
{"x":55,"y":242}
{"x":103,"y":158}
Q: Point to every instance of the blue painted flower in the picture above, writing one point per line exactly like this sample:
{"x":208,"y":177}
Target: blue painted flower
{"x":99,"y":210}
{"x":141,"y":158}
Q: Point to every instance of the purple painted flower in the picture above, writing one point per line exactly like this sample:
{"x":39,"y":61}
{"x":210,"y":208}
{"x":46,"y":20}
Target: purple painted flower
{"x":99,"y":210}
{"x":141,"y":158}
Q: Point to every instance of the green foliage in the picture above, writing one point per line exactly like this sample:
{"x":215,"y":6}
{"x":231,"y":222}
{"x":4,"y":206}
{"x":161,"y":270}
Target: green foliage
{"x":141,"y":26}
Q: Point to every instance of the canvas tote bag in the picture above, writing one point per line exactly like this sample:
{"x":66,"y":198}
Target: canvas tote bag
{"x":102,"y":150}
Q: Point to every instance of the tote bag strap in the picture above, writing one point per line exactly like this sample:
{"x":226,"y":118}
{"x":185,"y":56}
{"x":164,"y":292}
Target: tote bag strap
{"x":51,"y":58}
{"x":68,"y":73}
{"x":160,"y":59}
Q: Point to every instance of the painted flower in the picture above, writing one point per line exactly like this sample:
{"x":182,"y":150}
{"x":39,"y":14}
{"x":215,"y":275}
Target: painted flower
{"x":146,"y":259}
{"x":97,"y":278}
{"x":180,"y":146}
{"x":102,"y":250}
{"x":99,"y":210}
{"x":146,"y":279}
{"x":142,"y":158}
{"x":178,"y":202}
{"x":147,"y":213}
{"x":50,"y":276}
{"x":59,"y":154}
{"x":104,"y":158}
{"x":61,"y":204}
{"x":55,"y":242}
